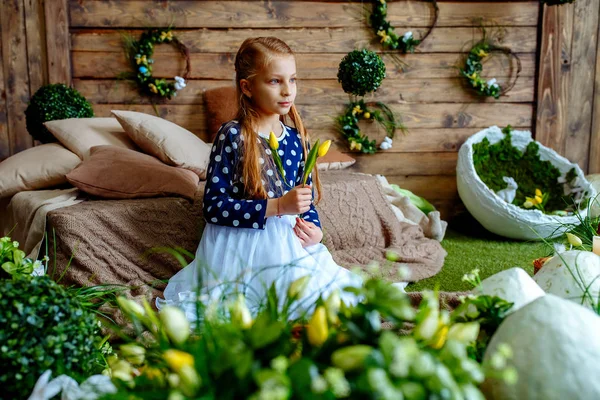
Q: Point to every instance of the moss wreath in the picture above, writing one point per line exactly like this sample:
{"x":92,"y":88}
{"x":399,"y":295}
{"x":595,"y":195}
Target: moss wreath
{"x":388,"y":38}
{"x":474,"y":67}
{"x":347,"y":125}
{"x":140,"y":55}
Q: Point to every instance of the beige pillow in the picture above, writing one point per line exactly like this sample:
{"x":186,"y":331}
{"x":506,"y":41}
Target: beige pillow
{"x":333,"y":160}
{"x":81,"y":134}
{"x":39,"y":167}
{"x":166,"y":141}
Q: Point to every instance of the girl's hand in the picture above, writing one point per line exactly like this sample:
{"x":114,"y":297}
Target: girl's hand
{"x":296,"y":201}
{"x":308,"y":233}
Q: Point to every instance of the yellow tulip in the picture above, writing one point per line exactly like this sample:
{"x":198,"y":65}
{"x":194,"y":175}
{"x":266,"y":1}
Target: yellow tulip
{"x":273,"y":143}
{"x":538,"y":199}
{"x":440,"y":337}
{"x":177,"y":359}
{"x":538,"y":192}
{"x":175,"y":324}
{"x":317,"y":327}
{"x":528,"y":204}
{"x":130,"y":307}
{"x":298,"y":287}
{"x":324,"y":148}
{"x":574,"y":240}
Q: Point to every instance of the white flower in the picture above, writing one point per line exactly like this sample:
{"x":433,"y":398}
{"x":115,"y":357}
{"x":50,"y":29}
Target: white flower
{"x":492,"y":82}
{"x":385,"y":146}
{"x":179,"y":83}
{"x":559,"y":248}
{"x":408,"y":35}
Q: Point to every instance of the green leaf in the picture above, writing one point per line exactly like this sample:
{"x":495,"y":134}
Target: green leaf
{"x":310,"y":161}
{"x":9,"y":267}
{"x":18,"y":256}
{"x":265,"y":331}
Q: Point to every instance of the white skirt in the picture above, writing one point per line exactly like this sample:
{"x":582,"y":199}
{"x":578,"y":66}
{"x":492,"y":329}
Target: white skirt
{"x":241,"y":260}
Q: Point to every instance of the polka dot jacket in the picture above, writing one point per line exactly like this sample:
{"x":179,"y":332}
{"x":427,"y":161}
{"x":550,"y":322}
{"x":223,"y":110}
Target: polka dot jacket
{"x":225,"y":202}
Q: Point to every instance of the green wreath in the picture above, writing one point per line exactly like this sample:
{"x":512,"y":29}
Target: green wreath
{"x":388,"y":38}
{"x":347,"y":125}
{"x":140,"y":55}
{"x":474,"y":67}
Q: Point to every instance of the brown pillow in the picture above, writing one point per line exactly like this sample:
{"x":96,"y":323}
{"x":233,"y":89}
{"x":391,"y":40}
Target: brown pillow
{"x":113,"y":172}
{"x":39,"y":167}
{"x":334,"y":160}
{"x":221,"y":106}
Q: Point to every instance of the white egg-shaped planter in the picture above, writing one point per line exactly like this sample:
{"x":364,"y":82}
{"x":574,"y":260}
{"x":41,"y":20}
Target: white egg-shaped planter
{"x":495,"y":214}
{"x":513,"y":285}
{"x":556,"y":348}
{"x":573,"y":275}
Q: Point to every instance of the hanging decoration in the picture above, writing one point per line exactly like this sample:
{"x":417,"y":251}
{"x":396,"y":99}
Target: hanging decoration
{"x":473,"y":67}
{"x":388,"y":38}
{"x":362,"y":72}
{"x":140,"y":55}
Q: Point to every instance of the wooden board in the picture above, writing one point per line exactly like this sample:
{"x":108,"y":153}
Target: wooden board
{"x":14,"y":50}
{"x":292,"y":14}
{"x":420,"y":66}
{"x":316,"y":91}
{"x":594,"y":161}
{"x":57,"y":41}
{"x":406,"y":163}
{"x":310,"y":40}
{"x":4,"y":136}
{"x":36,"y":44}
{"x":320,"y":117}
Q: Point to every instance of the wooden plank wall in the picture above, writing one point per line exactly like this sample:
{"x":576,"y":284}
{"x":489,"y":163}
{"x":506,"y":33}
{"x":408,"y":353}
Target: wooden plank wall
{"x":568,"y":109}
{"x":82,"y":46}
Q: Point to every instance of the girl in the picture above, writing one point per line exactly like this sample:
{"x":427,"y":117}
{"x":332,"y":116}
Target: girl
{"x":262,"y":226}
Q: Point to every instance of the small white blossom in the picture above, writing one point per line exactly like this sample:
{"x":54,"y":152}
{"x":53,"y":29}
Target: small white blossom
{"x":179,"y":83}
{"x":407,"y":36}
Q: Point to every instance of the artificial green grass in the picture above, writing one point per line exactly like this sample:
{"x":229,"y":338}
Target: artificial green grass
{"x":470,"y":246}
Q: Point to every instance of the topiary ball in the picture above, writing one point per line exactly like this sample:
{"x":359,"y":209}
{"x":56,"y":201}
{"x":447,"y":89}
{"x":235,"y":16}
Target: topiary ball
{"x":43,"y":327}
{"x":52,"y":102}
{"x":361,"y":72}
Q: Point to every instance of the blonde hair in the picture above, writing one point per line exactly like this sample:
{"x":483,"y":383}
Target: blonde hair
{"x":254,"y":55}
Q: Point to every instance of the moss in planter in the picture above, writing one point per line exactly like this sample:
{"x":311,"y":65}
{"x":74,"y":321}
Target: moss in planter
{"x":495,"y":161}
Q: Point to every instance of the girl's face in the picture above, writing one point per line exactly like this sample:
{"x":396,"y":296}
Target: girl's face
{"x":273,"y":90}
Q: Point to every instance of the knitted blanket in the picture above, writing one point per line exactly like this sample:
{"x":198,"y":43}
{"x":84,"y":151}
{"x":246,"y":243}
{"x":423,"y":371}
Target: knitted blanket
{"x":110,"y":240}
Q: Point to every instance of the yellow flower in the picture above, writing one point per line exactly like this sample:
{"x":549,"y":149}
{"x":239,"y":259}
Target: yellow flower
{"x":324,"y":148}
{"x":538,"y":192}
{"x":359,"y":146}
{"x":440,"y":337}
{"x":141,"y":59}
{"x":166,"y":35}
{"x":356,"y":110}
{"x":482,"y":53}
{"x":473,"y":76}
{"x":367,"y":115}
{"x":528,"y":204}
{"x":574,"y":240}
{"x":317,"y":327}
{"x":533,"y":200}
{"x":153,"y":88}
{"x":177,"y":359}
{"x":382,"y":1}
{"x":538,"y":199}
{"x":273,"y":143}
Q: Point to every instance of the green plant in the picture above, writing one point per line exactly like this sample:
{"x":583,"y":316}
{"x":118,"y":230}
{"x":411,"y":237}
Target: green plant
{"x":337,"y":352}
{"x":495,"y":161}
{"x":361,"y":72}
{"x":13,"y":261}
{"x":42,"y":327}
{"x":52,"y":102}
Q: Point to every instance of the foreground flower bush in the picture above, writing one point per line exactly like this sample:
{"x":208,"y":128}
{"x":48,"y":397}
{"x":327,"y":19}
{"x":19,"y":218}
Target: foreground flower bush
{"x":338,"y":351}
